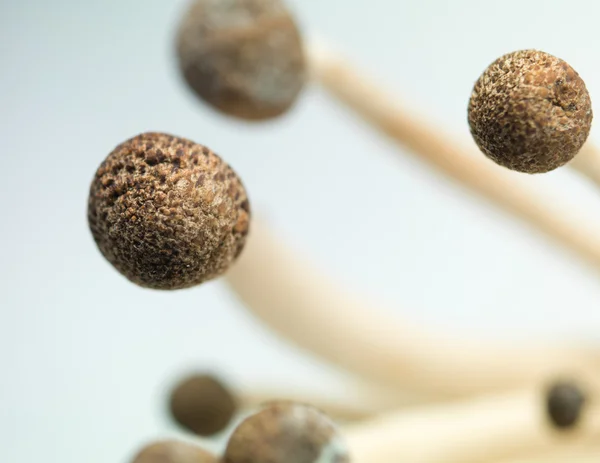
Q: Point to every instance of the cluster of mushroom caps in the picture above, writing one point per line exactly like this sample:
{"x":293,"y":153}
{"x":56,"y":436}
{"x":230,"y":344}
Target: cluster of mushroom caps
{"x":169,"y":213}
{"x":294,"y":432}
{"x":277,"y":432}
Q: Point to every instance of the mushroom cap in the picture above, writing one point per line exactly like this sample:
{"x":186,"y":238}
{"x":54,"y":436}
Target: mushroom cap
{"x":172,"y":451}
{"x":530,"y":112}
{"x":243,"y":57}
{"x":167,"y":213}
{"x":286,"y":431}
{"x":564,"y":404}
{"x":202,"y":404}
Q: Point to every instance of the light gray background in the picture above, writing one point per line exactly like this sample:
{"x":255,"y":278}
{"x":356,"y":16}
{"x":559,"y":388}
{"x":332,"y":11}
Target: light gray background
{"x":85,"y":356}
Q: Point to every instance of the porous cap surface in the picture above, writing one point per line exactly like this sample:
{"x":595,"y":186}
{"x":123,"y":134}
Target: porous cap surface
{"x":530,"y":112}
{"x":168,"y":213}
{"x":243,"y":57}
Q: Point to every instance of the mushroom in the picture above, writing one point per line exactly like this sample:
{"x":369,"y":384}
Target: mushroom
{"x":242,"y":57}
{"x":564,"y":403}
{"x":473,"y":430}
{"x":229,"y":56}
{"x":515,"y":195}
{"x":205,"y":405}
{"x":489,"y":428}
{"x":286,"y":432}
{"x":530,"y":112}
{"x":167,"y":213}
{"x":202,"y":404}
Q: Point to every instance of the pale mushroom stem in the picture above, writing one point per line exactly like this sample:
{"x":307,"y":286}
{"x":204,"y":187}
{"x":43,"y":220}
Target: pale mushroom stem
{"x":508,"y":190}
{"x":587,"y":162}
{"x":580,"y":454}
{"x":477,"y":430}
{"x":361,"y":408}
{"x":299,"y":302}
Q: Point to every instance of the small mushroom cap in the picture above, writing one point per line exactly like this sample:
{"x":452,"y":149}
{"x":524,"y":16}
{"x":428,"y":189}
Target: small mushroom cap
{"x":203,"y":405}
{"x":530,"y":112}
{"x":167,"y":213}
{"x":564,"y":404}
{"x":171,"y":451}
{"x":242,"y":57}
{"x":285,"y":431}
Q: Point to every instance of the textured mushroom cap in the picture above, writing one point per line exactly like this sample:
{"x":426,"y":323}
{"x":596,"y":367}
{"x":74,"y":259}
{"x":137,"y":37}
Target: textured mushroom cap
{"x":530,"y":112}
{"x":289,"y":432}
{"x":167,"y":213}
{"x":172,"y":451}
{"x":243,"y":57}
{"x":202,"y":404}
{"x":564,"y":404}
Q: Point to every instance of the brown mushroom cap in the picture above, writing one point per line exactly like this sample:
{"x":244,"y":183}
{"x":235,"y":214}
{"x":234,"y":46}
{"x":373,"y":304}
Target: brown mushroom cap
{"x":243,"y":57}
{"x":285,"y":431}
{"x":564,"y":404}
{"x":530,"y":112}
{"x":171,"y":451}
{"x":167,"y":213}
{"x":202,"y":404}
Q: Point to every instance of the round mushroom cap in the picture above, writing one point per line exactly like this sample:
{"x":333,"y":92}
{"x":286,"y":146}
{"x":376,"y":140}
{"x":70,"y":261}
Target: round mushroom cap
{"x":171,"y":451}
{"x":286,"y":431}
{"x":167,"y":213}
{"x":564,"y":404}
{"x":530,"y":112}
{"x":203,"y":405}
{"x":243,"y":57}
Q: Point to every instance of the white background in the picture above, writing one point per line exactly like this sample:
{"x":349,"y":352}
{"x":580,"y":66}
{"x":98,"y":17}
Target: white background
{"x":85,"y":356}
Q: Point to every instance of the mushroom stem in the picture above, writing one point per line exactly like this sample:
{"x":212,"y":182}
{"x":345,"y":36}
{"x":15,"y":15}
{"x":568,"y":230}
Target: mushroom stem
{"x":473,"y":431}
{"x":585,"y":454}
{"x":361,"y":408}
{"x":508,"y":190}
{"x":297,"y":301}
{"x":587,"y":162}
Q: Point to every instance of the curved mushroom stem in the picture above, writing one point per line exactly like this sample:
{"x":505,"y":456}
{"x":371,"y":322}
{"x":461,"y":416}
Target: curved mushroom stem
{"x":508,"y":190}
{"x":297,"y":301}
{"x":473,"y":431}
{"x":587,"y":162}
{"x":340,"y":410}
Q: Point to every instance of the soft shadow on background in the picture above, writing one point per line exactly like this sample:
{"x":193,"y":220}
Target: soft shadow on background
{"x":86,"y":355}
